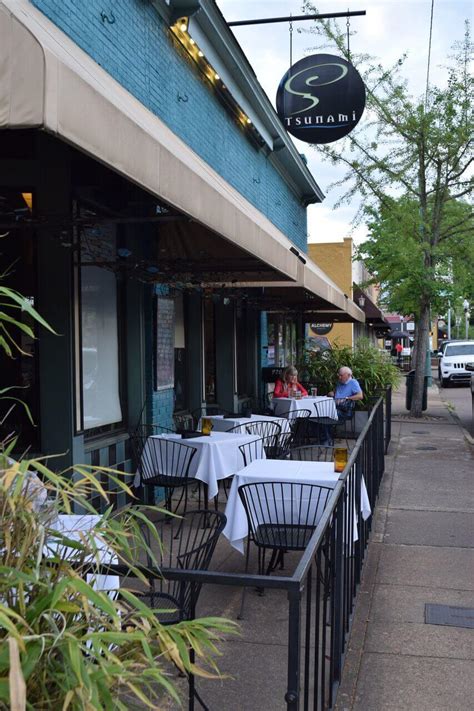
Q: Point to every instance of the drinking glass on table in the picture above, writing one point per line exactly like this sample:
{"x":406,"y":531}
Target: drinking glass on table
{"x":314,"y":392}
{"x":340,"y":458}
{"x":206,"y":425}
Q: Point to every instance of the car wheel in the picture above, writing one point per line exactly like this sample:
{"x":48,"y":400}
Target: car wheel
{"x":445,"y":383}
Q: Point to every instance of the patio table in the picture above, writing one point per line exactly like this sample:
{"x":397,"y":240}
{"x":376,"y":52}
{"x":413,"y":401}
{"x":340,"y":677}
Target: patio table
{"x":322,"y":473}
{"x":72,"y":525}
{"x":222,"y":424}
{"x":217,"y":457}
{"x":283,"y":406}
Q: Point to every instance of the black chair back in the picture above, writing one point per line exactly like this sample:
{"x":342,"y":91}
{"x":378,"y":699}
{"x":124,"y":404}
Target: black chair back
{"x":139,"y":436}
{"x":278,"y":446}
{"x":162,"y":462}
{"x":252,"y":450}
{"x":263,"y":428}
{"x":312,"y":453}
{"x":324,"y":409}
{"x":283,"y":515}
{"x":300,"y":426}
{"x":187,"y":543}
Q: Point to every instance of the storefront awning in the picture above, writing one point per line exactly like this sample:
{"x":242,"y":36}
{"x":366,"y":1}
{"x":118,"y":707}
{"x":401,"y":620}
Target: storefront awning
{"x":312,"y":295}
{"x":373,"y":315}
{"x":48,"y":82}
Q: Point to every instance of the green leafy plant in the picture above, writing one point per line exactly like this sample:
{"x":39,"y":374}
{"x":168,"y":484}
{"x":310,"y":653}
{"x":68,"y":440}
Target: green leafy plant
{"x":63,"y":642}
{"x":370,"y":366}
{"x":12,"y":303}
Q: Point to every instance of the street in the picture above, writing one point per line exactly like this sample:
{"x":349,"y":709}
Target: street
{"x":460,"y":398}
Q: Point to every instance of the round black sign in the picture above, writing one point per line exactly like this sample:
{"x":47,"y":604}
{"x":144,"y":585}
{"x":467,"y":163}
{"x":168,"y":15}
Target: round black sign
{"x":321,"y":98}
{"x":321,"y":328}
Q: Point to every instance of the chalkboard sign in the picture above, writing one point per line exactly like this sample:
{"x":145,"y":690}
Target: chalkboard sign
{"x":164,"y":343}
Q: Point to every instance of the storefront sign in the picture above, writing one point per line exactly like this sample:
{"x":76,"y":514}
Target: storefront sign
{"x":321,"y":328}
{"x":320,"y":98}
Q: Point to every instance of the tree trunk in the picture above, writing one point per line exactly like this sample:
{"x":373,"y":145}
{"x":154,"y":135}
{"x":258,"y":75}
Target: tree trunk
{"x":422,"y":334}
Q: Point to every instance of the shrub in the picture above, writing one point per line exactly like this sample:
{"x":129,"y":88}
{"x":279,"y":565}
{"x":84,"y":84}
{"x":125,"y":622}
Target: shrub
{"x":64,"y":644}
{"x":370,"y":366}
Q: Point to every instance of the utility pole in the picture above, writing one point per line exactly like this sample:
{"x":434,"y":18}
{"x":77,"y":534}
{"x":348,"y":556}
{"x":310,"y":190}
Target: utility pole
{"x":449,"y":322}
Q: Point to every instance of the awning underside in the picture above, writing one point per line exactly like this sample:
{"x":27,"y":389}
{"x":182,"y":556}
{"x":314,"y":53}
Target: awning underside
{"x":291,"y":299}
{"x":373,"y":314}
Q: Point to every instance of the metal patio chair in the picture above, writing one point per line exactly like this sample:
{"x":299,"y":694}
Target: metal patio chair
{"x":252,"y":450}
{"x":281,"y":517}
{"x":312,"y":453}
{"x":192,"y":549}
{"x":278,"y":446}
{"x":300,"y":426}
{"x":345,"y":426}
{"x":326,"y":423}
{"x":163,"y":463}
{"x":269,"y":432}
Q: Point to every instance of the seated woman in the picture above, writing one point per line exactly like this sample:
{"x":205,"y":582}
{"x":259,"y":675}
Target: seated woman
{"x":289,"y":385}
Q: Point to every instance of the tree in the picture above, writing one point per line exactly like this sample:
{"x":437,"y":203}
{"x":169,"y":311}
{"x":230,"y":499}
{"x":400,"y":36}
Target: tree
{"x":393,"y":253}
{"x":418,"y":150}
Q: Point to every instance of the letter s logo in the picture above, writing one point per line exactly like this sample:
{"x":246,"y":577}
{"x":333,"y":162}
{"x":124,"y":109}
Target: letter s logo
{"x":312,"y":80}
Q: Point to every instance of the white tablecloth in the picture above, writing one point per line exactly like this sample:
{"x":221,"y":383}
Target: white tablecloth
{"x":283,"y":406}
{"x":236,"y":529}
{"x":222,"y":424}
{"x":71,"y":525}
{"x":217,"y":457}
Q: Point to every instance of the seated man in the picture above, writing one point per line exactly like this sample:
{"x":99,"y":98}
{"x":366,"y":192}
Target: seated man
{"x":347,"y":392}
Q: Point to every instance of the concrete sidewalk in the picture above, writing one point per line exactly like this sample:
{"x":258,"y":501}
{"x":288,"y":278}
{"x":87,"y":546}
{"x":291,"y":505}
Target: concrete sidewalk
{"x":421,"y":551}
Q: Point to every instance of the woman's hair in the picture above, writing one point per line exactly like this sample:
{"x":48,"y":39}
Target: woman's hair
{"x":290,"y":370}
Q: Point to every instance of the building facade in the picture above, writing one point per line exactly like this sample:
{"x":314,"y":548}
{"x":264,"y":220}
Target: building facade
{"x":158,"y":211}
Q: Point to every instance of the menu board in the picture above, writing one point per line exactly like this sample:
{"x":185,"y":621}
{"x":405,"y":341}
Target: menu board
{"x":164,"y":343}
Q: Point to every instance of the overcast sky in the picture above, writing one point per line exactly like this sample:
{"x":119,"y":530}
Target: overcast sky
{"x":390,"y":28}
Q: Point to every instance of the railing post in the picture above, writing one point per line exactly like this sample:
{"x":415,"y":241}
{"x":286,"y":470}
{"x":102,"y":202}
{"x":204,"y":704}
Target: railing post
{"x":338,"y":584}
{"x":388,"y":417}
{"x":294,"y":653}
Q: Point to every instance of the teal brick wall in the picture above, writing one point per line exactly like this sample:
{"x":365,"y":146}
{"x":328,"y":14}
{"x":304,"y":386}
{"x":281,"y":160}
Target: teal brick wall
{"x":160,"y":403}
{"x":137,"y":50}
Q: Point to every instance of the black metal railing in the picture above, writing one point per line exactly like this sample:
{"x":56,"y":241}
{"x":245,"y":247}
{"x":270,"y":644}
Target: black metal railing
{"x":388,"y":416}
{"x":321,"y":591}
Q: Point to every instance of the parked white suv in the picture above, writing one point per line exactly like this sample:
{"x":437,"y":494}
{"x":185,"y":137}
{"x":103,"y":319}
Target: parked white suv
{"x":453,"y":362}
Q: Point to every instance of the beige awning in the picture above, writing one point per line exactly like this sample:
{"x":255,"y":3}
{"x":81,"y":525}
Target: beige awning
{"x":313,"y":293}
{"x":48,"y":82}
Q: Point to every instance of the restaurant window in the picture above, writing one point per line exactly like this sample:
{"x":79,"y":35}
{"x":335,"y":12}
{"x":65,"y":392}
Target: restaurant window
{"x":18,"y":256}
{"x":209,"y":340}
{"x":101,"y":341}
{"x":281,"y":335}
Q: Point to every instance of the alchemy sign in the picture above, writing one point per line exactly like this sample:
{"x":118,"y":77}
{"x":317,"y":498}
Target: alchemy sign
{"x":321,"y":98}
